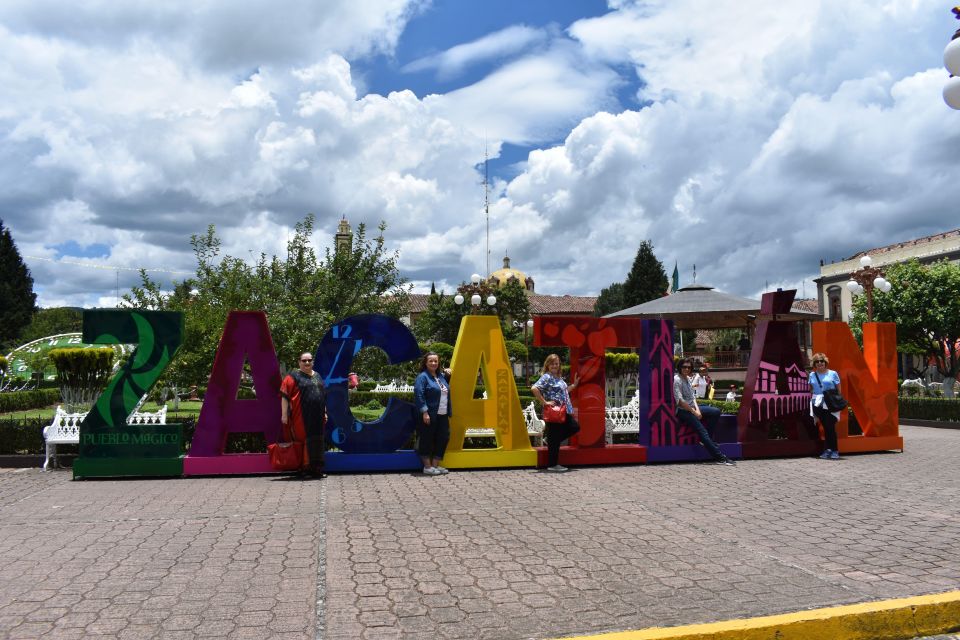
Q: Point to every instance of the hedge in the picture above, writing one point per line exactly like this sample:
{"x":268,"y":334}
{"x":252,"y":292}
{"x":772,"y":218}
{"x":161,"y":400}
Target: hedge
{"x":944,"y":409}
{"x":723,"y":405}
{"x":26,"y":400}
{"x":18,"y":436}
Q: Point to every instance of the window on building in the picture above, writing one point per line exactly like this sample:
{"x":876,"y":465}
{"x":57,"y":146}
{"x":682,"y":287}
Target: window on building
{"x":833,"y":303}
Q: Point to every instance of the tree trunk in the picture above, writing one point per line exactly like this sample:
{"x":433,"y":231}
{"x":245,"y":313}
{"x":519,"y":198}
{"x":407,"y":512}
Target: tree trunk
{"x":948,"y":382}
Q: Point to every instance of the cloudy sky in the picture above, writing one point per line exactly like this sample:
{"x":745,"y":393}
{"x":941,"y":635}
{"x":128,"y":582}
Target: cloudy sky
{"x":749,"y":137}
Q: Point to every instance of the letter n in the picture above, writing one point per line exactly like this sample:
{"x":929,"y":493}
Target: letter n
{"x":868,"y":381}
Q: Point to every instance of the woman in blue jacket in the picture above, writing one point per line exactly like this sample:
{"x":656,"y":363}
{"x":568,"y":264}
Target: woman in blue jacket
{"x":431,"y":391}
{"x":823,"y":378}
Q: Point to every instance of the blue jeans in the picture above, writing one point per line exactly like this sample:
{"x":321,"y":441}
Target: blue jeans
{"x":710,"y":415}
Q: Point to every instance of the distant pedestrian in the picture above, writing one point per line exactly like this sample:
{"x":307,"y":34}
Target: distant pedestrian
{"x":691,"y":414}
{"x":732,"y":394}
{"x":823,"y":378}
{"x":303,"y":410}
{"x":552,"y":389}
{"x":431,"y":392}
{"x":702,"y":383}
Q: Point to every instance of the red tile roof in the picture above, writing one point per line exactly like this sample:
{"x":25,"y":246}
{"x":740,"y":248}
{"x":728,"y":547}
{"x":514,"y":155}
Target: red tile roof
{"x":558,"y":305}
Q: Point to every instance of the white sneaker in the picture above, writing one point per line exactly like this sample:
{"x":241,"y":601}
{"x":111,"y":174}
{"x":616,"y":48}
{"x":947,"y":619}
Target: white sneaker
{"x":557,"y":468}
{"x":431,"y":471}
{"x":442,"y":470}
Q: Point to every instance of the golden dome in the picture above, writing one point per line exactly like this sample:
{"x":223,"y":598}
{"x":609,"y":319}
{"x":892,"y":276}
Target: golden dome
{"x":501,"y":276}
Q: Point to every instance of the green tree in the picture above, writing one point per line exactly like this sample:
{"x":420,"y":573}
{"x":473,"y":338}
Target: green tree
{"x":301,"y":295}
{"x":440,"y":321}
{"x":51,"y":322}
{"x":82,"y":375}
{"x":17,"y":299}
{"x":924,"y":302}
{"x":610,"y":300}
{"x":647,"y":280}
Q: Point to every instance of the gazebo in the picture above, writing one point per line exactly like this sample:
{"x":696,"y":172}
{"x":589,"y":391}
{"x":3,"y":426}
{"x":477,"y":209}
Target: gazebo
{"x":699,"y":306}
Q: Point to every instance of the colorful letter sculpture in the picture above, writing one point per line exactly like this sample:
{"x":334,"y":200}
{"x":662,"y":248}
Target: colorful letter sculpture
{"x":665,"y":437}
{"x":481,"y":349}
{"x":366,"y":446}
{"x":588,"y":339}
{"x":868,"y":381}
{"x":776,"y":396}
{"x":108,"y":445}
{"x":246,"y":338}
{"x":776,"y":393}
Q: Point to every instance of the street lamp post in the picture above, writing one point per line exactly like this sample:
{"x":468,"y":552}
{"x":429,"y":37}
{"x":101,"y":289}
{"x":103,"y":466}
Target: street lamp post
{"x":951,"y":60}
{"x":527,"y":327}
{"x":865,"y":280}
{"x":475,"y":290}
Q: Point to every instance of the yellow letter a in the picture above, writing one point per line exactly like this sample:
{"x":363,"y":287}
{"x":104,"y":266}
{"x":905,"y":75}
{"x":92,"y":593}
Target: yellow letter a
{"x":480,"y":347}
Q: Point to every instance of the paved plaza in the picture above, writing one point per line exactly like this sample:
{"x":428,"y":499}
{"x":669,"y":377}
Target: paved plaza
{"x":507,"y":554}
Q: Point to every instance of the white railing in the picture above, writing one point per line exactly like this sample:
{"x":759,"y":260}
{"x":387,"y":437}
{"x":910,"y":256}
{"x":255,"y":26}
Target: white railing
{"x":393,"y":387}
{"x":65,"y":428}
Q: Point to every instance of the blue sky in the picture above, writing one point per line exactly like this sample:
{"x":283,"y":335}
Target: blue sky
{"x":445,"y":24}
{"x":730,"y":133}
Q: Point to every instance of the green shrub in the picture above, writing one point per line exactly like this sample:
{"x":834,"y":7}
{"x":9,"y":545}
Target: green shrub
{"x":22,"y":435}
{"x":82,"y":374}
{"x":367,"y":385}
{"x":442,"y":349}
{"x":943,"y":409}
{"x":26,"y":400}
{"x":723,"y":405}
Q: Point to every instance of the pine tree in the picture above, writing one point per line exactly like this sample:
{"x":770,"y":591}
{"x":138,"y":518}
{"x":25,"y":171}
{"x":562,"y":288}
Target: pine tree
{"x":17,"y":298}
{"x":647,"y":280}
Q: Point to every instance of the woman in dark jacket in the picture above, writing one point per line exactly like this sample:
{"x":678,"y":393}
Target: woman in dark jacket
{"x":431,"y":391}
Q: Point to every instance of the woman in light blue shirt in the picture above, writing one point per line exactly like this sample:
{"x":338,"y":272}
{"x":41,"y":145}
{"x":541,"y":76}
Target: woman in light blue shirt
{"x":823,"y":378}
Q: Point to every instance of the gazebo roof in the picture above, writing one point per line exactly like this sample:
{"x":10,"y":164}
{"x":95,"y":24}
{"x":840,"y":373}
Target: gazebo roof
{"x":699,"y":306}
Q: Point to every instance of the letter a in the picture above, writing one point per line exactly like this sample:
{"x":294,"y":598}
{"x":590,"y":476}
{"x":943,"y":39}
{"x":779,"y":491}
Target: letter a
{"x":246,"y":337}
{"x":480,"y":347}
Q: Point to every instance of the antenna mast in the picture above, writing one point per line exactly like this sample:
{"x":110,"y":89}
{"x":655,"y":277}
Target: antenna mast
{"x":486,"y":199}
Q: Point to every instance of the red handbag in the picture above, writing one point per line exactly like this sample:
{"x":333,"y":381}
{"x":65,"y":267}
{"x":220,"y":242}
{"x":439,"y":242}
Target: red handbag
{"x":554,"y":413}
{"x":285,"y":456}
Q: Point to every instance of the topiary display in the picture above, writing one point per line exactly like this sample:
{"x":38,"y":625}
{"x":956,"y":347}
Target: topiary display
{"x":82,"y":374}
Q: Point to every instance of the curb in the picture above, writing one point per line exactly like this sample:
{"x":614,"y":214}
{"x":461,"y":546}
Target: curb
{"x":902,"y":618}
{"x":936,"y":424}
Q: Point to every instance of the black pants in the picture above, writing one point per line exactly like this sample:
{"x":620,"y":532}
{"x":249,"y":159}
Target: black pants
{"x":432,"y":438}
{"x":829,"y":427}
{"x":556,"y":433}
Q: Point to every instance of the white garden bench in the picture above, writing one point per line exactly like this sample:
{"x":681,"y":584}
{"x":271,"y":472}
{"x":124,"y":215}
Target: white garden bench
{"x":623,"y":420}
{"x":66,"y":429}
{"x":534,"y":426}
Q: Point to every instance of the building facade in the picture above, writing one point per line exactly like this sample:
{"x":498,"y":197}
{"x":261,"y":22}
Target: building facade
{"x":836,"y":301}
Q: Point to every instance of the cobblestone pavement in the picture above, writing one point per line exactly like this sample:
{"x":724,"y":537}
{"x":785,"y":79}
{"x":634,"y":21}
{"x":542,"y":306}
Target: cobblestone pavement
{"x":484,"y":554}
{"x":525,"y":554}
{"x":170,"y":559}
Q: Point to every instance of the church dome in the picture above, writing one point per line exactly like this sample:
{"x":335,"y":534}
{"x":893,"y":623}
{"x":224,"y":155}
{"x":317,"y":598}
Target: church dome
{"x":502,"y":276}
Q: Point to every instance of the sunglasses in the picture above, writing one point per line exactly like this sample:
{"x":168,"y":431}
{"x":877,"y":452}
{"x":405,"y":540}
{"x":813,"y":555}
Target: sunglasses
{"x":686,"y":366}
{"x":306,"y":359}
{"x":819,"y":362}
